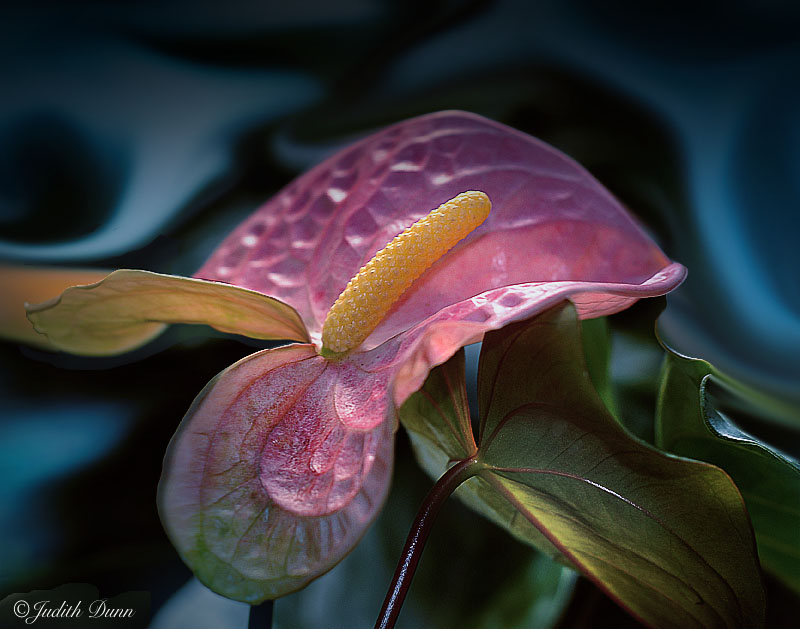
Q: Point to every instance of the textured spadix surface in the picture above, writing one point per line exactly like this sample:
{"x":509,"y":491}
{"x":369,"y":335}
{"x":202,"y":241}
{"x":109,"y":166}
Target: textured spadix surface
{"x":285,"y":458}
{"x":382,"y":281}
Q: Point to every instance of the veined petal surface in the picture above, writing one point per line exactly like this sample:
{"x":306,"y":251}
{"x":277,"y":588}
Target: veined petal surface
{"x":551,"y":221}
{"x":276,"y":471}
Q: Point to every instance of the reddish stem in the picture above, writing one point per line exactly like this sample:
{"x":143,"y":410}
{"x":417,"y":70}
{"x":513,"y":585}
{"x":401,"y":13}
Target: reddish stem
{"x":415,"y":542}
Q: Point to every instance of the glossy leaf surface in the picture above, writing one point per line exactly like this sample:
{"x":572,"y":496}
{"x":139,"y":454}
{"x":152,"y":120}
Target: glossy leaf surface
{"x":273,"y":475}
{"x":690,"y":423}
{"x":443,"y":397}
{"x":437,"y":420}
{"x":128,"y":308}
{"x":667,"y":538}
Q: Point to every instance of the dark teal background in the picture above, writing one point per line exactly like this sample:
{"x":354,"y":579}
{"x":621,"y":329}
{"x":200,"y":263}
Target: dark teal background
{"x":136,"y":134}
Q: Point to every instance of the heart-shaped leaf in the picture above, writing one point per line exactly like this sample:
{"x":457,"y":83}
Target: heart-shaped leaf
{"x":128,"y":308}
{"x":668,"y":538}
{"x":437,"y":420}
{"x":443,"y":397}
{"x":690,"y":423}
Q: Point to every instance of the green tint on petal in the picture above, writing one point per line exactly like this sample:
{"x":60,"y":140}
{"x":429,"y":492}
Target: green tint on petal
{"x":129,"y":308}
{"x":690,"y":423}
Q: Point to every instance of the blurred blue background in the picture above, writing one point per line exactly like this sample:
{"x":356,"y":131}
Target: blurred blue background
{"x":136,"y":134}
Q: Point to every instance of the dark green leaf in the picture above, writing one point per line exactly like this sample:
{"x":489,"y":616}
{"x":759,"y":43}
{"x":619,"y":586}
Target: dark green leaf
{"x":437,"y":420}
{"x":538,"y":597}
{"x":596,"y":338}
{"x":690,"y":423}
{"x":668,"y":538}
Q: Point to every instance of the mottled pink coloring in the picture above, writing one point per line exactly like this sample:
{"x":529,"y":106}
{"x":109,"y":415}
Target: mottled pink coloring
{"x":285,"y":458}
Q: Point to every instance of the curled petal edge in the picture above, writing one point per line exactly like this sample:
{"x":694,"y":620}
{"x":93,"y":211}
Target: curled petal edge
{"x":437,"y":338}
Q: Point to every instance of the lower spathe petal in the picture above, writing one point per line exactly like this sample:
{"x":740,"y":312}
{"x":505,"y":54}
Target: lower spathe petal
{"x":271,"y":479}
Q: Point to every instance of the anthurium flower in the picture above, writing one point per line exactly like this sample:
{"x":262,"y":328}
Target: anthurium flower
{"x":285,"y":457}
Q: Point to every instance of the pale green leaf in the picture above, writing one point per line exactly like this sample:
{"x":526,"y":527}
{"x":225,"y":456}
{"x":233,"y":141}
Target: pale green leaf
{"x":128,"y":308}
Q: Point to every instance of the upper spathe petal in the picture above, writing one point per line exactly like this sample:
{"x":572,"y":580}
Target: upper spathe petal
{"x":551,"y":221}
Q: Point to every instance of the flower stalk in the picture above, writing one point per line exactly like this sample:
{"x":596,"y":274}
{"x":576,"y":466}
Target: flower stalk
{"x":261,"y":615}
{"x":415,"y":542}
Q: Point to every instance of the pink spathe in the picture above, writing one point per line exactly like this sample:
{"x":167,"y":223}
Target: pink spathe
{"x":285,"y":458}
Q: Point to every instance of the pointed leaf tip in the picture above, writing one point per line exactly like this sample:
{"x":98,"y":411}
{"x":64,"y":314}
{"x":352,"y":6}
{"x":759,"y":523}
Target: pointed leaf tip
{"x":20,"y":285}
{"x":128,"y":308}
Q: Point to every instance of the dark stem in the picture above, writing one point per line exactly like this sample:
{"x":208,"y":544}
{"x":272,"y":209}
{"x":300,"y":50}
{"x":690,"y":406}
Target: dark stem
{"x":261,"y":616}
{"x":415,"y":541}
